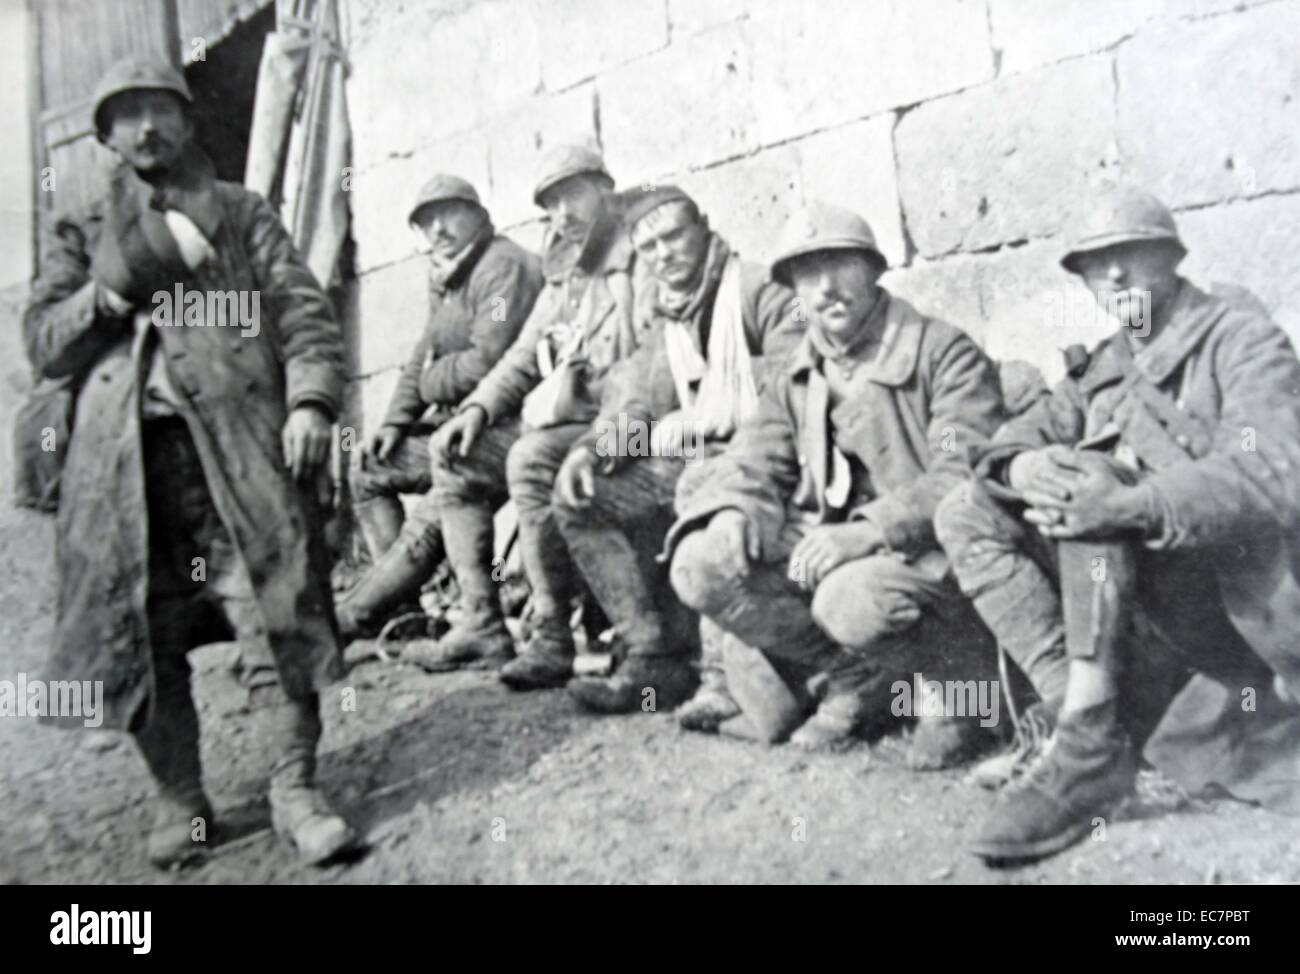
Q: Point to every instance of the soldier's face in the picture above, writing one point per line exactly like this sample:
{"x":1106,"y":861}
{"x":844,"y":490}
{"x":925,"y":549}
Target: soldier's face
{"x":147,"y":129}
{"x":450,"y":225}
{"x":836,"y":289}
{"x":673,"y":242}
{"x":573,"y":205}
{"x":1132,"y":280}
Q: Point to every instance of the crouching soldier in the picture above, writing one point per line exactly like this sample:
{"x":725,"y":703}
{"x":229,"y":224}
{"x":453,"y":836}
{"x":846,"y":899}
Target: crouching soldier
{"x":482,"y":287}
{"x":810,"y":538}
{"x":1155,"y":487}
{"x":188,"y":509}
{"x":710,"y":320}
{"x":513,"y":431}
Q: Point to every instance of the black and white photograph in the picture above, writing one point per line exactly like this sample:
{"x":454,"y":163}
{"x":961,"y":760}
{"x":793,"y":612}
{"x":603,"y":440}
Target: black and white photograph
{"x":651,"y":442}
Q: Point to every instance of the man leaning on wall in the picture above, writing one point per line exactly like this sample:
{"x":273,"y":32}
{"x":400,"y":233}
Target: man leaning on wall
{"x":482,"y":287}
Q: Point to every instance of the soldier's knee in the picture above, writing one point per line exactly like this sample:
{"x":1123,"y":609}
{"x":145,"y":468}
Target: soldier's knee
{"x":854,"y":608}
{"x":530,"y":477}
{"x":700,"y":581}
{"x":968,"y":514}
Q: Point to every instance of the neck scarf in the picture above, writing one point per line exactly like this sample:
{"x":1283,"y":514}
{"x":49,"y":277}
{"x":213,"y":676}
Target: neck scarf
{"x":847,"y":357}
{"x":716,"y":389}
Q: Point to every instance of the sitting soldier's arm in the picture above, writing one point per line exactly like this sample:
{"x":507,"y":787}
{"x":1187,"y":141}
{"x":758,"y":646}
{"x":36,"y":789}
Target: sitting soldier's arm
{"x":501,"y":392}
{"x":502,"y":297}
{"x":965,"y":408}
{"x":1245,"y":484}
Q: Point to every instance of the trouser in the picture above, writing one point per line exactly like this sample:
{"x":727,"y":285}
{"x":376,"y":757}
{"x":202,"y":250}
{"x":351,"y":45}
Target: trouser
{"x":406,"y":471}
{"x":200,"y":591}
{"x":904,"y":615}
{"x":376,"y":486}
{"x":1012,"y":575}
{"x":614,"y":541}
{"x":509,"y":461}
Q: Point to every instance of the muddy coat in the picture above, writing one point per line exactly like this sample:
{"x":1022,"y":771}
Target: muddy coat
{"x":1219,"y":461}
{"x":929,"y":395}
{"x":474,"y":316}
{"x":235,"y":391}
{"x":591,"y":294}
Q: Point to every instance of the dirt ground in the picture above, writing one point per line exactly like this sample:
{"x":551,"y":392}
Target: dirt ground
{"x":454,"y":779}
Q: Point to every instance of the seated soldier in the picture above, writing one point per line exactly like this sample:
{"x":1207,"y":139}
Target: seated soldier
{"x":810,"y":539}
{"x":711,"y":321}
{"x":512,"y":432}
{"x":481,"y":288}
{"x":1154,"y":488}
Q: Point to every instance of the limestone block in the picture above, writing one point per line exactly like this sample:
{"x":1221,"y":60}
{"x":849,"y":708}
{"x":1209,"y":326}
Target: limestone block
{"x":820,"y":64}
{"x":1003,"y":162}
{"x":1234,"y":130}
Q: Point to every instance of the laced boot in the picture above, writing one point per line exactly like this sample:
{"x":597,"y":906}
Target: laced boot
{"x":1087,"y":769}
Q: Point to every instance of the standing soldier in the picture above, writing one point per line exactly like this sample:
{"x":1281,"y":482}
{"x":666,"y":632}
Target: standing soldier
{"x":711,"y":321}
{"x":188,"y":508}
{"x":482,"y":286}
{"x":1157,"y":485}
{"x":810,"y":538}
{"x":513,"y":431}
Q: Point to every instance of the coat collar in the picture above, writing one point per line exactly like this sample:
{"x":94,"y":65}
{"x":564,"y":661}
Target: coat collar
{"x":606,"y":249}
{"x":896,"y":355}
{"x":442,"y":283}
{"x":1193,"y":315}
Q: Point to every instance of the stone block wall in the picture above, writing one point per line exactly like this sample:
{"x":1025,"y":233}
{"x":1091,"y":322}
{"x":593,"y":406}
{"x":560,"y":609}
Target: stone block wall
{"x":965,"y":130}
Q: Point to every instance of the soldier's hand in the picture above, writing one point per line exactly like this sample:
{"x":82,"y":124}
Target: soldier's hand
{"x":827,"y":546}
{"x":576,"y":481}
{"x":1049,"y":472}
{"x":1100,"y":504}
{"x":384,"y":442}
{"x":306,"y":442}
{"x":735,"y":539}
{"x":456,"y":437}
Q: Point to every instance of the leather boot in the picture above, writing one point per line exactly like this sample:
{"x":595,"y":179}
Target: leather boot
{"x":300,"y":813}
{"x":843,"y":707}
{"x":170,"y":746}
{"x":616,"y":574}
{"x":1087,"y":769}
{"x":713,"y":702}
{"x":1032,"y":732}
{"x":647,"y":683}
{"x":380,"y":519}
{"x":547,"y":659}
{"x":393,"y":582}
{"x":479,"y":639}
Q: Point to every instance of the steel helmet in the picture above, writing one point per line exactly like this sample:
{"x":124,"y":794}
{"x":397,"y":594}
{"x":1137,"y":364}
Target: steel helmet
{"x":1120,"y":215}
{"x":821,"y":226}
{"x":441,"y":188}
{"x":132,"y":74}
{"x":564,"y":161}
